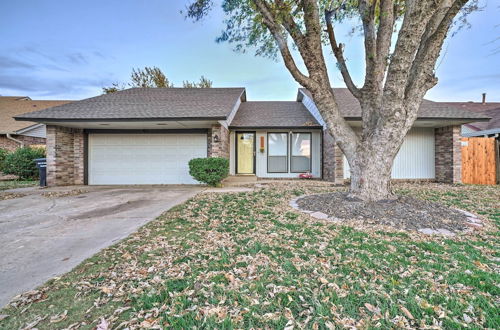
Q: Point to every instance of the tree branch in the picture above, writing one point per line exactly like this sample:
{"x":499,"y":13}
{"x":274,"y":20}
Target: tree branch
{"x":421,"y":77}
{"x":339,"y":55}
{"x":281,"y":40}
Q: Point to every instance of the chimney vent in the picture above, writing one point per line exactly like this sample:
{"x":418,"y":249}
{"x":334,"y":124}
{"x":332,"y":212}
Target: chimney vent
{"x":484,"y":98}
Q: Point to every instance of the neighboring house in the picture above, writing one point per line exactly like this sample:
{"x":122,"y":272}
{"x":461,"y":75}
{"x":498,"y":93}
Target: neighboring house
{"x":489,"y":128}
{"x":148,"y":135}
{"x":15,"y":134}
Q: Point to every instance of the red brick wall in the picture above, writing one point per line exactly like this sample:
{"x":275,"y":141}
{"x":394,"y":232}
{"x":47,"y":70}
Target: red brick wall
{"x":448,"y":155}
{"x":65,"y":156}
{"x":27,"y":140}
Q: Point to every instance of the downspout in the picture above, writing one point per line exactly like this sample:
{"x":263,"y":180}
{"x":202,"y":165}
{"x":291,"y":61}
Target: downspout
{"x":15,"y":140}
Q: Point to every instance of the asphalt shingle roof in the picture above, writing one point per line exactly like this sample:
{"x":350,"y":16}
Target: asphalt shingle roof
{"x":11,"y":106}
{"x":147,"y":103}
{"x":488,"y":109}
{"x":273,"y":114}
{"x":350,"y":108}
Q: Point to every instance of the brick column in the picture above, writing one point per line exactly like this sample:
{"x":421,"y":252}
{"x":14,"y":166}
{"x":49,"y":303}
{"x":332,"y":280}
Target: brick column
{"x":448,"y":155}
{"x":65,"y":156}
{"x":221,"y":148}
{"x":333,"y":162}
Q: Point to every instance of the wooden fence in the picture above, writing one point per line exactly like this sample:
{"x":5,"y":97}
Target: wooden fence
{"x":480,"y":160}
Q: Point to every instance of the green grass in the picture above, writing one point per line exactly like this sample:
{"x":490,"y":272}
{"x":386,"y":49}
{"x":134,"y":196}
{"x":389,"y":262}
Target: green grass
{"x":4,"y":185}
{"x":248,"y":260}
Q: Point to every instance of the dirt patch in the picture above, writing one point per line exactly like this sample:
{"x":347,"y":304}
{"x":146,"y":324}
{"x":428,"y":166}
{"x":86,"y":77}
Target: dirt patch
{"x":405,"y":212}
{"x":100,"y":212}
{"x":5,"y":196}
{"x":56,"y":194}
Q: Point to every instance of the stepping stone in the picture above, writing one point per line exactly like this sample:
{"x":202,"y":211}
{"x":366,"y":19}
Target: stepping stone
{"x":440,"y":231}
{"x":474,"y":220}
{"x":319,"y":215}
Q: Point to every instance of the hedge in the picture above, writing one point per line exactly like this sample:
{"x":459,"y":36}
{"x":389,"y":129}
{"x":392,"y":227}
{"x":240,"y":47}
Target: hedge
{"x":209,"y":170}
{"x":20,"y":162}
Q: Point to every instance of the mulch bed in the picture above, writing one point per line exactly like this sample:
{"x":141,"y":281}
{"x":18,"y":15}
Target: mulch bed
{"x":405,"y":212}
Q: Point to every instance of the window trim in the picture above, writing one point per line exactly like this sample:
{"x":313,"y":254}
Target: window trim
{"x":287,"y":151}
{"x":310,"y":152}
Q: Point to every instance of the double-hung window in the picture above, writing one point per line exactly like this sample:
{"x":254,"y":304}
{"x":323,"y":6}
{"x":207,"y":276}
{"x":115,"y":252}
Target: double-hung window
{"x":300,"y":160}
{"x":277,"y":152}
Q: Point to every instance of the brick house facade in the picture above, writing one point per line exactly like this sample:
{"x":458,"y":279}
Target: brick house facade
{"x":10,"y":145}
{"x":448,"y":154}
{"x":65,"y":156}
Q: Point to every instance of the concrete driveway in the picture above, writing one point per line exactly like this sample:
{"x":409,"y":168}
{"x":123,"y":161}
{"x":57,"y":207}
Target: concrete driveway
{"x":42,"y":237}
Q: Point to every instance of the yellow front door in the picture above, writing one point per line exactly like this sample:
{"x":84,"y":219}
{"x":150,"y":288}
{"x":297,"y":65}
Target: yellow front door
{"x":245,"y":143}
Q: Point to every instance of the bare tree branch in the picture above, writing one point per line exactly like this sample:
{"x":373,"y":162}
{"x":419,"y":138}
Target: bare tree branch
{"x":339,"y":55}
{"x":281,"y":40}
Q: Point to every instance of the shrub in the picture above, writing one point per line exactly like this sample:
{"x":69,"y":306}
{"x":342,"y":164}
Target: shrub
{"x":20,"y":162}
{"x":209,"y":170}
{"x":3,"y":154}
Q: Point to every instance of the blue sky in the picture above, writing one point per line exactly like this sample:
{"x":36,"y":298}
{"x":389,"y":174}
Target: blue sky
{"x":70,"y":49}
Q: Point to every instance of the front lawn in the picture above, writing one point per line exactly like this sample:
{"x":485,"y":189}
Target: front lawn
{"x":243,"y":260}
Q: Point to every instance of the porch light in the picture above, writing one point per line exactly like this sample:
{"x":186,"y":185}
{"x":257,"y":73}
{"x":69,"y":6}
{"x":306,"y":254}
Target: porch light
{"x":261,"y":144}
{"x":216,"y":138}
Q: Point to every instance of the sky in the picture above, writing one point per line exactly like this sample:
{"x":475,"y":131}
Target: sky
{"x":70,"y":49}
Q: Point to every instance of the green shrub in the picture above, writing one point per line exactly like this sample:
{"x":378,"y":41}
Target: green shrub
{"x":209,"y":170}
{"x":3,"y":154}
{"x":20,"y":162}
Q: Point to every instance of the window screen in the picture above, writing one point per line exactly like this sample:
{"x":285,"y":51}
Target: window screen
{"x":277,"y":152}
{"x":301,"y":152}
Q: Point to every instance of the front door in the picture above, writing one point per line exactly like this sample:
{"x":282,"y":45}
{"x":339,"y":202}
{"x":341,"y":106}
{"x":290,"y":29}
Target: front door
{"x":245,"y":152}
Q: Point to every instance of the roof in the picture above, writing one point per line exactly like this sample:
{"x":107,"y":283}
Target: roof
{"x":350,"y":108}
{"x":488,"y":109}
{"x":486,"y":132}
{"x":268,"y":114}
{"x":146,"y":104}
{"x":11,"y":106}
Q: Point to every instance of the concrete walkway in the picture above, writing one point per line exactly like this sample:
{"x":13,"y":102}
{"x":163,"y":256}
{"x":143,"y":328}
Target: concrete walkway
{"x":42,"y":237}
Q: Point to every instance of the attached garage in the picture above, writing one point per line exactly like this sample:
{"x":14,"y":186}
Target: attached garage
{"x":143,"y":158}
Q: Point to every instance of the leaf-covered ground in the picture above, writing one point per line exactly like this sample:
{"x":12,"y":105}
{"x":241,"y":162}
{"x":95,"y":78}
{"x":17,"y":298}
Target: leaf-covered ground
{"x":248,"y":260}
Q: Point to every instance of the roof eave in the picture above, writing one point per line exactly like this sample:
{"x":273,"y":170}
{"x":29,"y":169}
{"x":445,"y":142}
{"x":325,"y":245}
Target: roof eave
{"x":45,"y":120}
{"x":276,"y":127}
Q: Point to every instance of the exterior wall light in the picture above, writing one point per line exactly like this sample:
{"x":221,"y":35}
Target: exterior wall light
{"x":216,"y":138}
{"x":261,"y":144}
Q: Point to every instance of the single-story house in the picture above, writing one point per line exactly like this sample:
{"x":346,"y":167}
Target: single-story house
{"x":148,"y":135}
{"x":15,"y":134}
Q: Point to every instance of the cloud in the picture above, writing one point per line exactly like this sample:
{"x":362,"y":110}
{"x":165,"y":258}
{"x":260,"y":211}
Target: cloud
{"x":35,"y":72}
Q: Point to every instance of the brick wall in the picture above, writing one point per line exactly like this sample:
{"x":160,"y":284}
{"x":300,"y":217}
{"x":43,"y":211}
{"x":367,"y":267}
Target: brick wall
{"x":448,"y":155}
{"x":65,"y":156}
{"x":333,"y":161}
{"x":27,"y":140}
{"x":221,"y":148}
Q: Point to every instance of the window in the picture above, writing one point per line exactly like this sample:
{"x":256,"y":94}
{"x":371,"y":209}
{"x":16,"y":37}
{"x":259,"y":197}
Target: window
{"x":277,"y":152}
{"x":300,"y":153}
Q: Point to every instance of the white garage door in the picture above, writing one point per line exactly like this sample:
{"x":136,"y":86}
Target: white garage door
{"x":143,"y":158}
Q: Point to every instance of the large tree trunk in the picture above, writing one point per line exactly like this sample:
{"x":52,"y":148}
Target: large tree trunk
{"x":370,"y":173}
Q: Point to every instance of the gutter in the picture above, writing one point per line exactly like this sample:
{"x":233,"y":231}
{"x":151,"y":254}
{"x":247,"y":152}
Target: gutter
{"x":15,"y":140}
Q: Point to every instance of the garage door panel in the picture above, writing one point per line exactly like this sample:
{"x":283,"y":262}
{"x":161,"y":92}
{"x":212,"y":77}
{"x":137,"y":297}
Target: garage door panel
{"x":143,"y":158}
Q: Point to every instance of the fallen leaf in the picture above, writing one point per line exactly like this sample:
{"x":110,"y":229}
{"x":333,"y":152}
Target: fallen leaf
{"x":104,"y":325}
{"x":407,"y":312}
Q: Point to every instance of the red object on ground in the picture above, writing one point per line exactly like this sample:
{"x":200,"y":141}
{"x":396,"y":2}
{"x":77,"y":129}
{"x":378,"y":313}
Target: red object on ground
{"x":305,"y":176}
